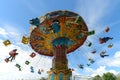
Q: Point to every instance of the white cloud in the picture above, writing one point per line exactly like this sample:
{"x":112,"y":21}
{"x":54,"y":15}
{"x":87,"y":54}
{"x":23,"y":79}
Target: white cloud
{"x":99,"y":71}
{"x":2,"y":32}
{"x":90,"y":72}
{"x":92,"y":11}
{"x":117,"y":54}
{"x":111,"y":62}
{"x":11,"y":33}
{"x":8,"y":70}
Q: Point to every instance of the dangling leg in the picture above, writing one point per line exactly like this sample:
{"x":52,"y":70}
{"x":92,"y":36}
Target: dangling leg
{"x":102,"y":56}
{"x":107,"y":38}
{"x":9,"y":57}
{"x":12,"y":59}
{"x":111,"y":38}
{"x":106,"y":55}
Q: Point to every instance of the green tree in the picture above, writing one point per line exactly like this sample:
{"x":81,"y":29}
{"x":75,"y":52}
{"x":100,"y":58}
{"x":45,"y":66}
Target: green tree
{"x":108,"y":76}
{"x":118,"y":77}
{"x":97,"y":77}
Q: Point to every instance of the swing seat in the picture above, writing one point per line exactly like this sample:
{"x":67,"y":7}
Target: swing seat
{"x":94,"y":51}
{"x":72,"y":69}
{"x":91,"y":32}
{"x":32,"y":55}
{"x":42,"y":70}
{"x":27,"y":62}
{"x":78,"y":20}
{"x":107,"y":29}
{"x":6,"y":42}
{"x":18,"y":66}
{"x":88,"y":64}
{"x":39,"y":72}
{"x":35,"y":22}
{"x":110,"y":45}
{"x":7,"y":60}
{"x":25,"y":40}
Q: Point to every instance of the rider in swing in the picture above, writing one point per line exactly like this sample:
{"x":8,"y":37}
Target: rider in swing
{"x":12,"y":55}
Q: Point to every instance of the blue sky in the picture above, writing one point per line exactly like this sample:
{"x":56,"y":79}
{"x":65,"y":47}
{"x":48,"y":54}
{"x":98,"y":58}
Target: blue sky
{"x":98,"y":14}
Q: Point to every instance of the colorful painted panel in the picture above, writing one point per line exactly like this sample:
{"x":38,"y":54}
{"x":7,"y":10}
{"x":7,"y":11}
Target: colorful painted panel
{"x":58,"y":24}
{"x":61,"y":76}
{"x":52,"y":76}
{"x":68,"y":77}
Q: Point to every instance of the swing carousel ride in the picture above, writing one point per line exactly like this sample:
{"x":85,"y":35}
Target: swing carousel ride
{"x":57,"y":34}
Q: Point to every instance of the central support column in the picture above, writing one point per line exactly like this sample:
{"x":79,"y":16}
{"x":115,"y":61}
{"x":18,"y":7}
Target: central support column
{"x":59,"y":70}
{"x":60,"y":61}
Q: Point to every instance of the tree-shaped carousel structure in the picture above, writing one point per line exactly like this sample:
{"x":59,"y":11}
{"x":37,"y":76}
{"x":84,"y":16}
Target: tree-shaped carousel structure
{"x":57,"y":34}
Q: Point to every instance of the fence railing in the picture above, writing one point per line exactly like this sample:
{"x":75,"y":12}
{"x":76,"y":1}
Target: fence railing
{"x":81,"y":77}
